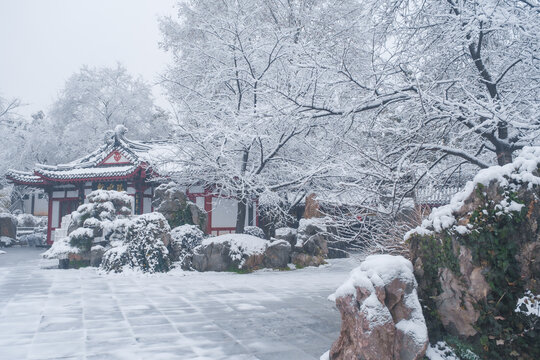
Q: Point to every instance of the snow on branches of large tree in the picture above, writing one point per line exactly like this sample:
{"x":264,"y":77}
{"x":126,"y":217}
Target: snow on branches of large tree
{"x":93,"y":101}
{"x":238,"y":132}
{"x":421,"y":91}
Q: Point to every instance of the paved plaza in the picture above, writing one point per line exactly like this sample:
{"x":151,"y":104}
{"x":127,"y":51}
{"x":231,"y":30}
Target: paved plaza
{"x":46,"y":313}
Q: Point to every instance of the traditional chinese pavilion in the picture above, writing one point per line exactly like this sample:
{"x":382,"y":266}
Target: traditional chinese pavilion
{"x":123,"y":165}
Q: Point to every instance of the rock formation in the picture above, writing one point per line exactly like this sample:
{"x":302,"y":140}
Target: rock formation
{"x":177,"y":208}
{"x":477,"y":257}
{"x":380,"y":312}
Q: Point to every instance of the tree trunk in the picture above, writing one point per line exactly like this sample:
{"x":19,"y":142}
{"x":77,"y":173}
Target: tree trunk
{"x":241,"y":216}
{"x":504,"y":156}
{"x":242,"y":197}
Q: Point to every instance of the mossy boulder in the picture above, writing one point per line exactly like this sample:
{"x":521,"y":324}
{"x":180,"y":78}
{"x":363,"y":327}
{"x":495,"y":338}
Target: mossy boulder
{"x":477,"y":257}
{"x":173,"y":203}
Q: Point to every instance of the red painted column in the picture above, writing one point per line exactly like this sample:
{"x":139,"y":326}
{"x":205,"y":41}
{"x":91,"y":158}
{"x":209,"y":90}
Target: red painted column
{"x":208,"y":209}
{"x":49,"y":218}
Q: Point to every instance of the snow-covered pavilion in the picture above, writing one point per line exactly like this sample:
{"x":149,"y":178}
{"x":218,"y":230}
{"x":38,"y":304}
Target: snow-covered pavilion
{"x":123,"y":165}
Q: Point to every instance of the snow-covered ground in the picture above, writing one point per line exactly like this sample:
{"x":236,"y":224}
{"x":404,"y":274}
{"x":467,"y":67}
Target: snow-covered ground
{"x":46,"y":313}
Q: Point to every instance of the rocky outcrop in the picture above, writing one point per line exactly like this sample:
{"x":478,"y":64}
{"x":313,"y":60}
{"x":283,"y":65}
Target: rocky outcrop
{"x":475,"y":257}
{"x":277,"y":255}
{"x":8,"y":227}
{"x":311,"y":244}
{"x":380,"y":312}
{"x":177,"y":208}
{"x":240,"y":252}
{"x":286,"y":233}
{"x":231,"y":252}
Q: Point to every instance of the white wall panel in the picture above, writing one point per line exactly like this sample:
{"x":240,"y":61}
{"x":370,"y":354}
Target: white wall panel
{"x":147,"y":205}
{"x":55,"y":214}
{"x":223,"y":212}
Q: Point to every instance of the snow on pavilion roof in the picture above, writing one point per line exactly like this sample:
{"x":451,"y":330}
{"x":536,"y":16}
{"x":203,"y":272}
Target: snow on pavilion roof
{"x":118,"y":158}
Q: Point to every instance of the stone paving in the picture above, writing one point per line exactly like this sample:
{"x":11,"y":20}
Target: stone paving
{"x":46,"y":313}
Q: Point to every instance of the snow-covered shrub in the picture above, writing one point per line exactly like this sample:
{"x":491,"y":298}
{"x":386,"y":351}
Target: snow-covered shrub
{"x":29,"y":220}
{"x":184,"y":239}
{"x":144,"y":248}
{"x":100,"y":221}
{"x":61,"y":249}
{"x":102,"y":205}
{"x":254,"y":231}
{"x":5,"y":241}
{"x":82,"y":238}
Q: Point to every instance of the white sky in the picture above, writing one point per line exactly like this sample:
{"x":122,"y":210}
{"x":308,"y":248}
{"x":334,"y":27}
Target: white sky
{"x":43,"y":42}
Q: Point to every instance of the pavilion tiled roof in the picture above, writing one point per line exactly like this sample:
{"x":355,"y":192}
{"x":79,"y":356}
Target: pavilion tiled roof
{"x":86,"y":173}
{"x":24,"y":177}
{"x":139,"y":155}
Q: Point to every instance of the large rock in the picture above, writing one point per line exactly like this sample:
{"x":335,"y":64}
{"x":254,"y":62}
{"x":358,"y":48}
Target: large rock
{"x":176,"y":207}
{"x":311,"y":243}
{"x":475,"y":257}
{"x":380,"y":312}
{"x":231,"y":252}
{"x":286,"y":233}
{"x":277,"y":254}
{"x":8,"y":226}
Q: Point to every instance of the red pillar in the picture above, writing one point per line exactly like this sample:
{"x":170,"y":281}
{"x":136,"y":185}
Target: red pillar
{"x":49,"y":218}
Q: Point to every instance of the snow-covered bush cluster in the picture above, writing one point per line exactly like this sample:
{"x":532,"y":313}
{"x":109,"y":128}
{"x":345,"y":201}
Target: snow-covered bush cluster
{"x":29,"y":220}
{"x":103,"y":233}
{"x":254,"y":231}
{"x":184,"y":239}
{"x":144,"y":247}
{"x":93,"y":224}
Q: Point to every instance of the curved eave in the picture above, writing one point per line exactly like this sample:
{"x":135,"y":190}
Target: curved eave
{"x":39,"y":182}
{"x":90,"y":177}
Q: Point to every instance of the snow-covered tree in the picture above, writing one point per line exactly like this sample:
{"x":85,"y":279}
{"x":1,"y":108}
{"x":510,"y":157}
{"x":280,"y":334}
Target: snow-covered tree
{"x":420,"y":91}
{"x":93,"y":101}
{"x":14,"y":130}
{"x":458,"y":78}
{"x":236,"y":132}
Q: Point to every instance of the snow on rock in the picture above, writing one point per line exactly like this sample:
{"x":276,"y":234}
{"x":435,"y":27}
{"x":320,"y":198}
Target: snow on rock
{"x":325,"y":356}
{"x":232,"y":252}
{"x":309,"y":227}
{"x":240,"y":244}
{"x":382,"y":316}
{"x":441,"y":351}
{"x":529,"y":304}
{"x":522,"y":170}
{"x":2,"y":252}
{"x":286,"y":233}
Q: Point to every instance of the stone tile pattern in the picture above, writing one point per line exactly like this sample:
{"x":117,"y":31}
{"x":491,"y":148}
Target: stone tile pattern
{"x":46,"y":313}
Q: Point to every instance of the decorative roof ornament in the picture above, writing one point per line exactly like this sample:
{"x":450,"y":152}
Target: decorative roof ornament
{"x":109,"y":137}
{"x":120,"y":131}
